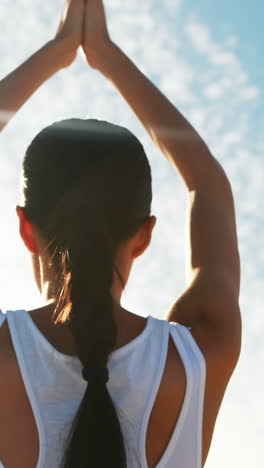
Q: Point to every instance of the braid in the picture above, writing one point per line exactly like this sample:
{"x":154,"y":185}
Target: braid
{"x":87,"y":256}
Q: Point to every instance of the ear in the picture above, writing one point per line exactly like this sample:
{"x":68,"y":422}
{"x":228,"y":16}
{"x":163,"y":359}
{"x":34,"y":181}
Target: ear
{"x":26,"y":230}
{"x":145,"y":236}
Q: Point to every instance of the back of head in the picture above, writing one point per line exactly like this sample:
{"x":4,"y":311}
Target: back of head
{"x":87,"y":188}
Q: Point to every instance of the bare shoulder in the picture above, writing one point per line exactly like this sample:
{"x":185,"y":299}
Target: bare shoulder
{"x":17,"y":424}
{"x":219,"y":340}
{"x":210,"y":307}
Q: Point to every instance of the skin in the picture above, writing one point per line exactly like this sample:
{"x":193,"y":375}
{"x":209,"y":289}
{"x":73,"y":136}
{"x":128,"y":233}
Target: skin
{"x":210,"y":304}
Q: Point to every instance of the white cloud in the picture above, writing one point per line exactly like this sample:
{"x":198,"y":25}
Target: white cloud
{"x":250,"y":93}
{"x":232,"y":41}
{"x":218,"y":89}
{"x":173,"y":6}
{"x":219,"y":55}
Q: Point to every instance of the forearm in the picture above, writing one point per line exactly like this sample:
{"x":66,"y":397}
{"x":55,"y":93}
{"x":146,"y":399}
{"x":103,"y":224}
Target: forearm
{"x":18,"y":86}
{"x":167,"y":127}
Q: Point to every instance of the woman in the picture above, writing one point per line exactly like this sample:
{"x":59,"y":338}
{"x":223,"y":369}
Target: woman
{"x":154,"y":386}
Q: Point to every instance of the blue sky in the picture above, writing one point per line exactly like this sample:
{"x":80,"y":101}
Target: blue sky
{"x":239,"y":17}
{"x":206,"y":57}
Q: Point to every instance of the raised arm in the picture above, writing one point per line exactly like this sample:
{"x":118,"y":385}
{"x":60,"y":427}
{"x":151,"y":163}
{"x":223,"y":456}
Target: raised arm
{"x":210,"y":304}
{"x":18,"y":86}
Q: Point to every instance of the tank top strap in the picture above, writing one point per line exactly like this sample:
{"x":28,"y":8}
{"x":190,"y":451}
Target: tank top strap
{"x":188,"y":348}
{"x":195,"y":367}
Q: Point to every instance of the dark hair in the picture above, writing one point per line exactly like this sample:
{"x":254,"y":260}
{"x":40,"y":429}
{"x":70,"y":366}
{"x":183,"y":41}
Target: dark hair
{"x":87,"y":187}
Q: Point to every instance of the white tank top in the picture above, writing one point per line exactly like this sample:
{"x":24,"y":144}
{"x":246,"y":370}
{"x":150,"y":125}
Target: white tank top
{"x":55,"y":387}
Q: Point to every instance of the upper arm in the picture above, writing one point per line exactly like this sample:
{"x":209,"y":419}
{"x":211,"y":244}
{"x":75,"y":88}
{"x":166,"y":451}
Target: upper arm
{"x":212,"y":244}
{"x":210,"y":303}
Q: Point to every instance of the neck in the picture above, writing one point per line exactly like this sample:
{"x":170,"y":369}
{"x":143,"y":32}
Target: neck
{"x":49,"y":292}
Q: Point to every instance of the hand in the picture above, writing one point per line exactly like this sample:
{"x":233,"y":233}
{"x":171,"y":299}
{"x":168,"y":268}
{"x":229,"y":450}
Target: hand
{"x":70,"y":30}
{"x":17,"y":87}
{"x":95,"y":31}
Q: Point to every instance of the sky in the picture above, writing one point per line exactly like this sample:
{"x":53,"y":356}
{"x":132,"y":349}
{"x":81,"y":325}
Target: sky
{"x":206,"y":57}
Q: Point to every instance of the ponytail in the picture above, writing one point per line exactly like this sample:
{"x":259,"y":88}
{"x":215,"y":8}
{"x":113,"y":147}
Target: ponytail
{"x":95,"y":439}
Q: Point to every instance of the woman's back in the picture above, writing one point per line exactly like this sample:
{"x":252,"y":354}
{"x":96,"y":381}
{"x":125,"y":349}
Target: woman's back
{"x":156,"y":383}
